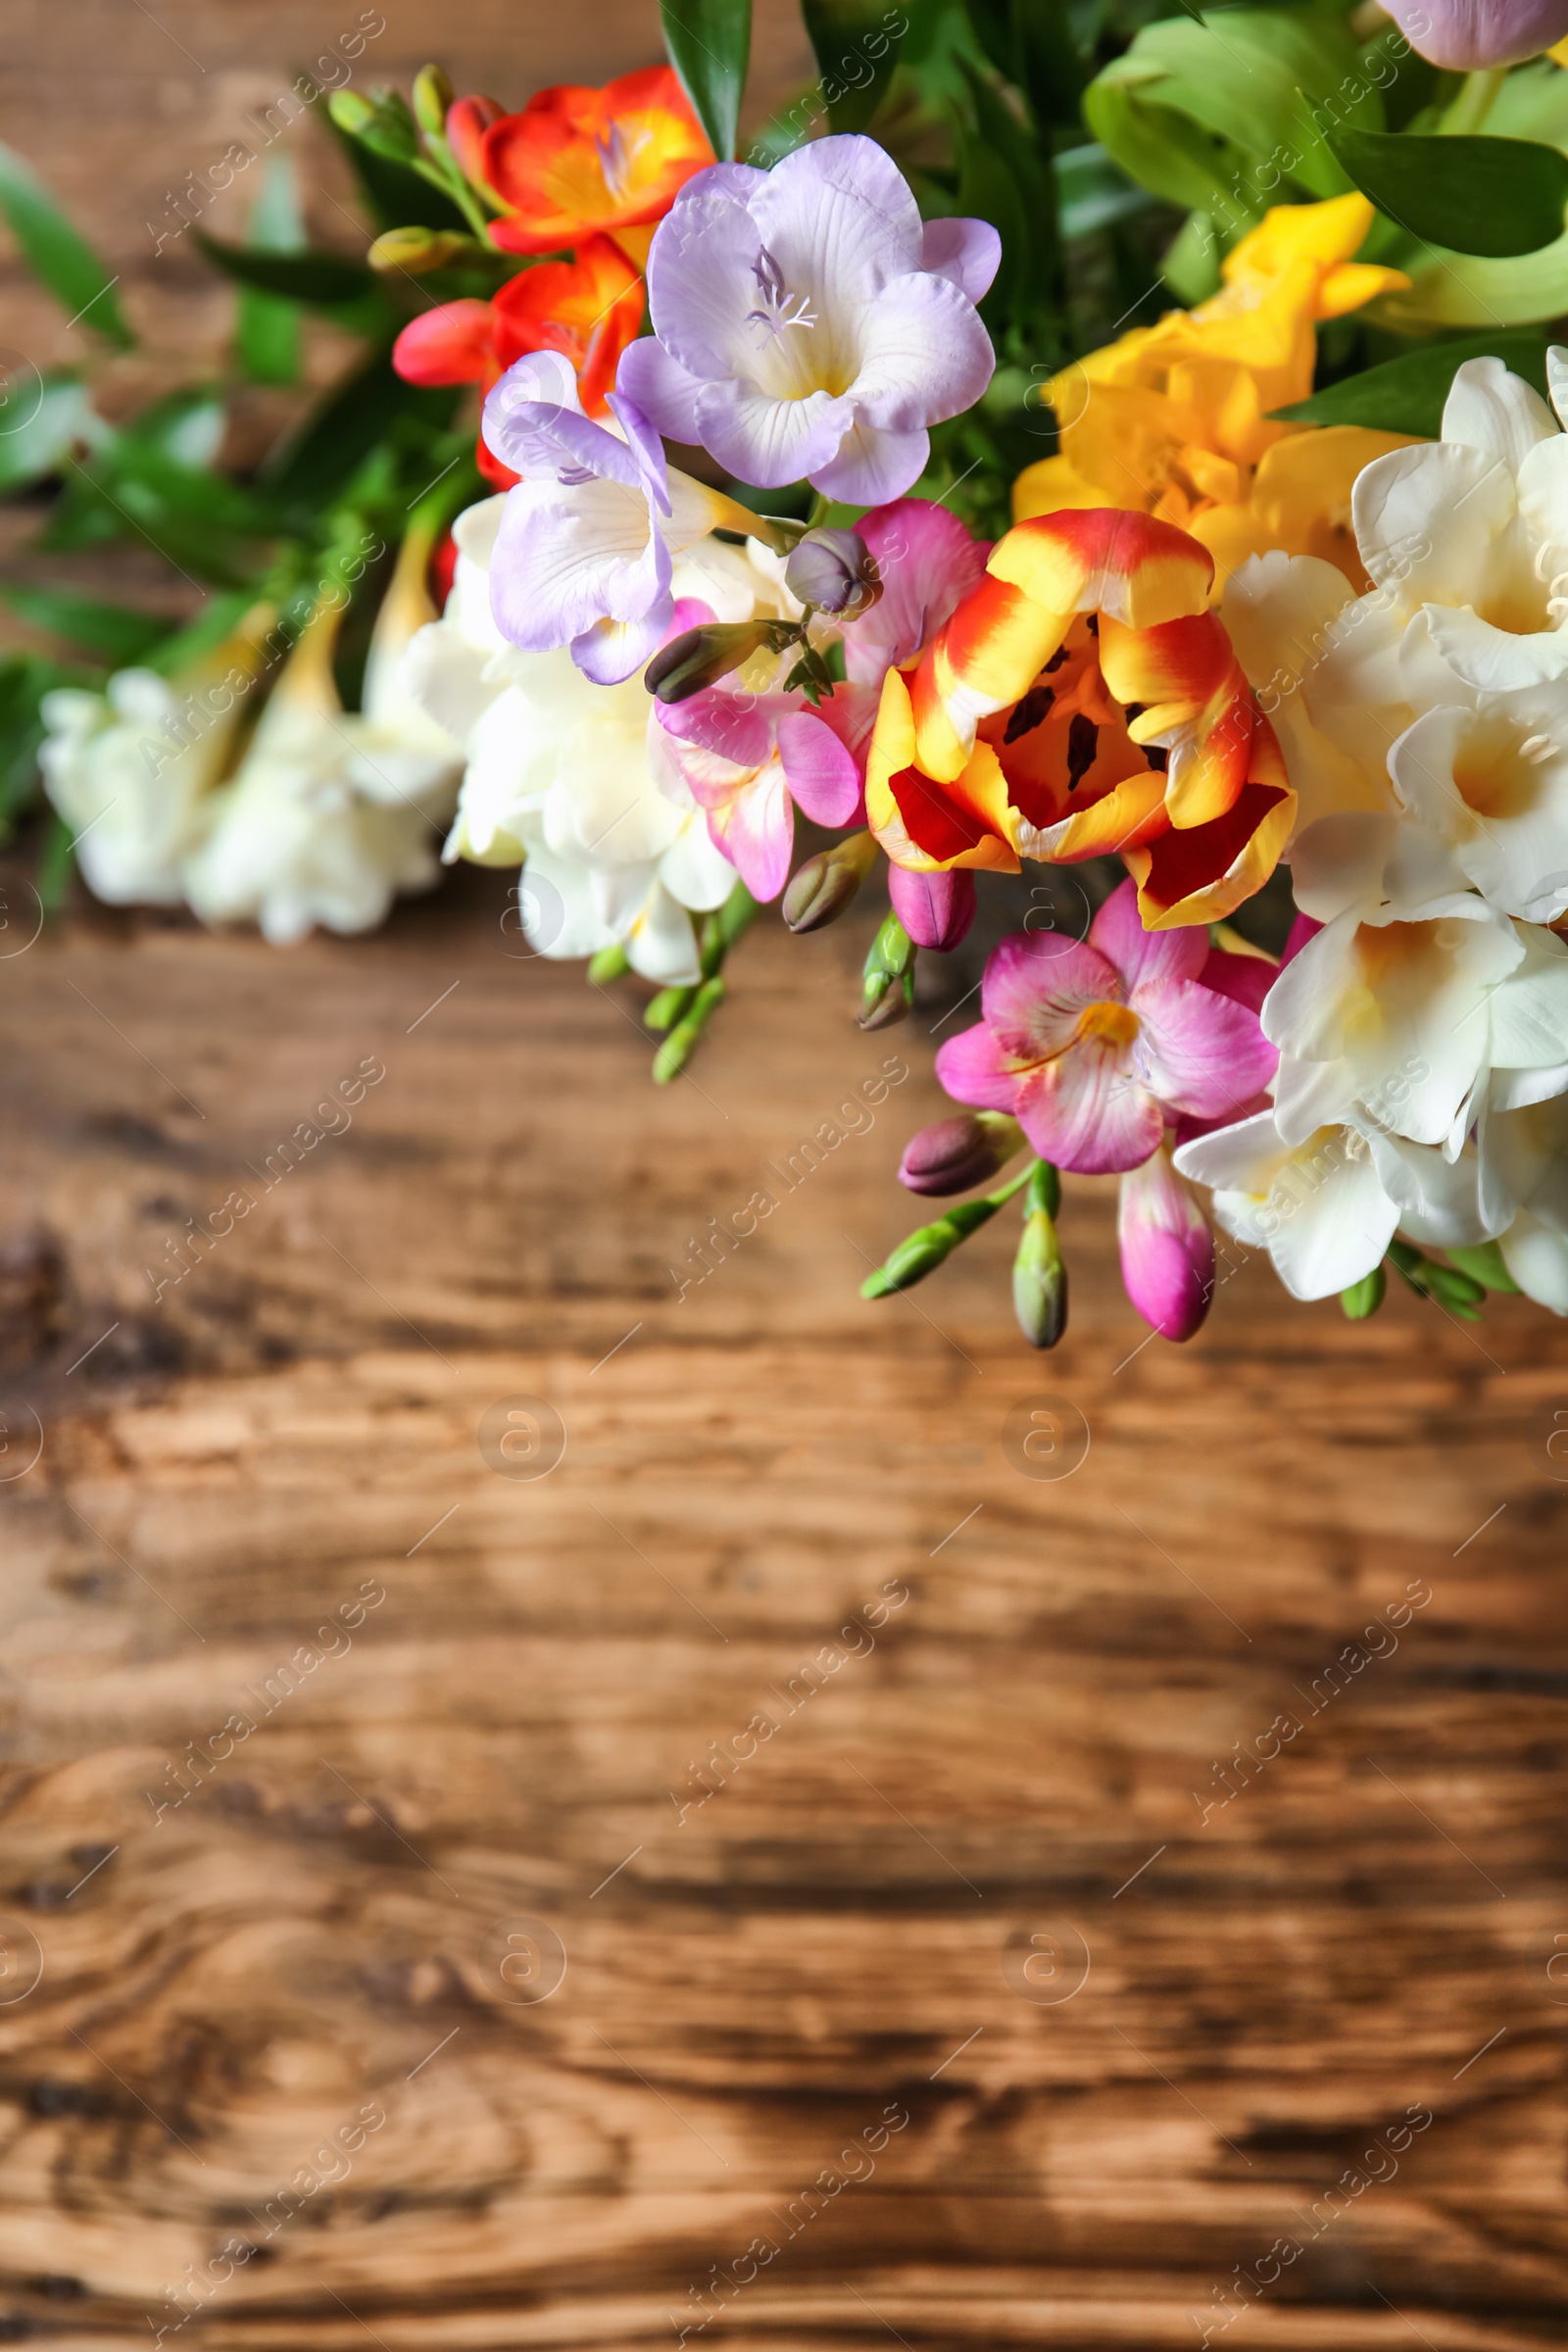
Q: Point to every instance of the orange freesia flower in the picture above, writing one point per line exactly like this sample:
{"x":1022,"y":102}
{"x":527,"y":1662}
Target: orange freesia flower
{"x":1173,"y":421}
{"x":588,"y":309}
{"x":1083,"y":700}
{"x":578,"y":160}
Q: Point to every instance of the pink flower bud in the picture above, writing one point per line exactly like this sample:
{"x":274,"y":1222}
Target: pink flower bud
{"x":936,"y":910}
{"x":468,"y":121}
{"x":1463,"y":33}
{"x":1167,"y":1250}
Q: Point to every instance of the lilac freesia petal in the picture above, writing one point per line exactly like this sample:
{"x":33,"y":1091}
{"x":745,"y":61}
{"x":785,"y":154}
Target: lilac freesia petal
{"x":807,"y":324}
{"x":969,"y":252}
{"x":563,"y":562}
{"x":613,"y":650}
{"x":1461,"y":35}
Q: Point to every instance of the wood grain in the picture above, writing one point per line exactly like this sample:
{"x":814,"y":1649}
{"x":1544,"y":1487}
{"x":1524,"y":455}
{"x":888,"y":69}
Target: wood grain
{"x":833,"y":1939}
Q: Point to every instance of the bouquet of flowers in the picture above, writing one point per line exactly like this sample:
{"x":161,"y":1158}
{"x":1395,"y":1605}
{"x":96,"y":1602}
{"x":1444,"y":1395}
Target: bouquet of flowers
{"x":830,"y":481}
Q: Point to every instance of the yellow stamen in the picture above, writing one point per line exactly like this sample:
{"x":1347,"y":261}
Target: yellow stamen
{"x":1117,"y":1024}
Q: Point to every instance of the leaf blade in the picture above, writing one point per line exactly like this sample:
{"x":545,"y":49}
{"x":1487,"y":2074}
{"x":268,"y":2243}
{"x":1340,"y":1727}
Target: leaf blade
{"x":710,"y":45}
{"x":1406,"y":395}
{"x":58,"y":256}
{"x":1481,"y":195}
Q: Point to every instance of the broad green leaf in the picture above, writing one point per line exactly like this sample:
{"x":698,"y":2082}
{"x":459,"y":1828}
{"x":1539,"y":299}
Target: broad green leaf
{"x":1462,"y":289}
{"x":326,"y":281}
{"x":342,"y":429}
{"x":855,"y":51}
{"x":41,"y":417}
{"x":1228,"y":115}
{"x":119,"y":636}
{"x":1406,"y":395}
{"x":1093,"y":191}
{"x":267,"y":333}
{"x":710,"y":44}
{"x":396,"y":196}
{"x":57,"y":256}
{"x":1496,"y":197}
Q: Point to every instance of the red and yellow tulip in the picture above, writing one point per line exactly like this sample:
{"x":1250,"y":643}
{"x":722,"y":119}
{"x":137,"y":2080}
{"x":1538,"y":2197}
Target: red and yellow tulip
{"x":1083,"y":700}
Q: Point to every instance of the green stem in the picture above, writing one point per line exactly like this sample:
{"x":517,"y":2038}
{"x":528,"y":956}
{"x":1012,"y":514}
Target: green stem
{"x":686,"y":1012}
{"x":1475,"y":101}
{"x":452,"y":184}
{"x":920,"y":1252}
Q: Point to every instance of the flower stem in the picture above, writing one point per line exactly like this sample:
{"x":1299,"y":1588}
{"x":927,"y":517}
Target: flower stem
{"x":920,"y":1252}
{"x":686,"y":1012}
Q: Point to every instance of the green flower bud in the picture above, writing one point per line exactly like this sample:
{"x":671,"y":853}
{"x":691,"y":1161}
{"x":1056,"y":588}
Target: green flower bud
{"x":350,"y":111}
{"x":889,"y":979}
{"x":414,"y":250}
{"x":823,"y":888}
{"x":384,"y":123}
{"x":432,"y":96}
{"x":1040,"y":1282}
{"x":1451,"y":1288}
{"x":1365,"y":1297}
{"x":920,"y":1252}
{"x":1484,"y":1263}
{"x":701,"y":656}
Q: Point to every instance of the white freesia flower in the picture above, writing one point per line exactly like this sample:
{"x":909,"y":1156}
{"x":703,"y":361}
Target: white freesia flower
{"x":576,"y":777}
{"x":128,"y":768}
{"x":331,"y":812}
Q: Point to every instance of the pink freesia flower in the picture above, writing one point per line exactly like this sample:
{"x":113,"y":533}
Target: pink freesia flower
{"x":750,"y":759}
{"x":1167,"y":1247}
{"x":1096,"y":1046}
{"x":1462,"y":34}
{"x":806,"y":322}
{"x":927,"y":563}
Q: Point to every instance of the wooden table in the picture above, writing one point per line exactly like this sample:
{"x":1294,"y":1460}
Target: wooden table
{"x":964,"y":2010}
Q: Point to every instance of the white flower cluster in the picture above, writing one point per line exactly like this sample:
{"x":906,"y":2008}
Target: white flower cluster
{"x":579,"y":779}
{"x":1423,"y":1029}
{"x":328,"y":815}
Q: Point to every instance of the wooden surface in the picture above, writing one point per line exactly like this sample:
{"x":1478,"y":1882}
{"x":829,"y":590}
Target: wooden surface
{"x":753,"y":1984}
{"x":1223,"y":2014}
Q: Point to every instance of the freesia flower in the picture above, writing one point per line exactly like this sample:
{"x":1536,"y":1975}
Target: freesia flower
{"x":1411,"y":994}
{"x":1167,"y":1247}
{"x":1316,"y":1205}
{"x":588,"y":309}
{"x":1174,"y":421}
{"x":1095,"y":1046}
{"x":1083,"y":700}
{"x":807,"y":324}
{"x":331,"y":814}
{"x":1461,"y":35}
{"x":129,"y":768}
{"x":751,"y":759}
{"x":591,"y":534}
{"x":579,"y":779}
{"x":578,"y":160}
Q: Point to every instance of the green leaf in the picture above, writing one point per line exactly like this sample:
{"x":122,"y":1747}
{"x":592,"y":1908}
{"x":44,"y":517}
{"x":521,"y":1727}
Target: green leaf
{"x":122,"y":637}
{"x":57,"y":256}
{"x":268,"y":335}
{"x":396,"y":195}
{"x":317,"y":460}
{"x":1031,"y":43}
{"x":326,"y":281}
{"x":1228,"y":115}
{"x":855,"y":54}
{"x":1406,"y":395}
{"x":1093,"y":191}
{"x":1003,"y":180}
{"x":41,"y":417}
{"x":1495,"y":196}
{"x":710,"y":44}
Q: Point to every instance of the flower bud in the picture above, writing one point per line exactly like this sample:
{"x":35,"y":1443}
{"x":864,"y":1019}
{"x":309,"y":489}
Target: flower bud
{"x":1040,"y":1282}
{"x":699,"y":658}
{"x":432,"y":96}
{"x":383,"y":123}
{"x":468,"y":121}
{"x":889,"y":978}
{"x":957,"y":1153}
{"x":834,"y":571}
{"x":414,"y":250}
{"x":1167,"y":1248}
{"x":823,"y":888}
{"x":936,"y":910}
{"x":1365,"y":1297}
{"x":920,"y":1252}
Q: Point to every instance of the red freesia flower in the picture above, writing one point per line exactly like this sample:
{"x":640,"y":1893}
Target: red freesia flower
{"x":579,"y":160}
{"x":588,"y":309}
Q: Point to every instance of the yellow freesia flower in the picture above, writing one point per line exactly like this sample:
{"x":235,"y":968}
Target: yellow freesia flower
{"x":1173,"y":421}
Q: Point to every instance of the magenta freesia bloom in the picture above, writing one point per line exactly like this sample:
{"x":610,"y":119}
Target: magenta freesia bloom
{"x":807,"y":323}
{"x":927,"y":563}
{"x":1464,"y":33}
{"x":750,"y":759}
{"x":1167,"y":1247}
{"x":1096,"y":1046}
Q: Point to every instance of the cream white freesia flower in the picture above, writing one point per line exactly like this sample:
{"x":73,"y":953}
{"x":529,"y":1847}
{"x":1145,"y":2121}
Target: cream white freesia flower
{"x":129,"y":767}
{"x":1411,"y":994}
{"x":576,"y":777}
{"x":330,"y":814}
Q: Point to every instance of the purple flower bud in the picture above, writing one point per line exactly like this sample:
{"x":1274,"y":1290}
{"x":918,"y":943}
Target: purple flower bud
{"x":958,"y":1153}
{"x":936,"y":910}
{"x":701,"y":656}
{"x":834,"y":571}
{"x":1464,"y":33}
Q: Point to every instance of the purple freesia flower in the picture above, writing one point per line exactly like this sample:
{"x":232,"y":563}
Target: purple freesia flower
{"x":807,"y":323}
{"x":1096,"y":1046}
{"x":588,"y":538}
